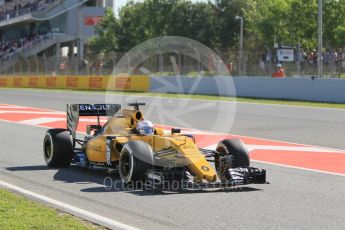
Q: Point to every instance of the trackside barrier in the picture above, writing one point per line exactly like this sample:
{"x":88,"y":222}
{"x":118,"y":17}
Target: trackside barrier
{"x":305,"y":89}
{"x":117,"y":83}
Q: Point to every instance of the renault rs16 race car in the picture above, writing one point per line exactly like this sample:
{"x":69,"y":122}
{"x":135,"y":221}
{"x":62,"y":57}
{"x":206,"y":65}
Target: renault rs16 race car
{"x":138,"y":151}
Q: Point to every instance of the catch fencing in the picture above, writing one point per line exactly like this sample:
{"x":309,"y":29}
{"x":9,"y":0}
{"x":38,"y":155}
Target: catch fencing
{"x":171,"y":64}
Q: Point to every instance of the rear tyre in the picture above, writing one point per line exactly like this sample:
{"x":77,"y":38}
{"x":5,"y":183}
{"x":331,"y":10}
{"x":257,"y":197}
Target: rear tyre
{"x":135,"y":159}
{"x":57,"y":148}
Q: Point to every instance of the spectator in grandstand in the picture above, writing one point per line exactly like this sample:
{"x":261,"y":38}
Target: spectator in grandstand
{"x":12,"y":47}
{"x":22,"y":7}
{"x":280,"y":72}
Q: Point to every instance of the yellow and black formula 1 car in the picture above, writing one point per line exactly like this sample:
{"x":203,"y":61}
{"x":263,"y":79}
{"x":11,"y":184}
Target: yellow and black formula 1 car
{"x":140,"y":155}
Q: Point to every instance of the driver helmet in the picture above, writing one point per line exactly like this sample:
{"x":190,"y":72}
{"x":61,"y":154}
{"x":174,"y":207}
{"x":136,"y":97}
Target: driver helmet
{"x":145,"y":127}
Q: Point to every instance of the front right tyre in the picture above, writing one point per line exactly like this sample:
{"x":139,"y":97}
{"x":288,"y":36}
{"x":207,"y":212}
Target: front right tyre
{"x":232,"y":153}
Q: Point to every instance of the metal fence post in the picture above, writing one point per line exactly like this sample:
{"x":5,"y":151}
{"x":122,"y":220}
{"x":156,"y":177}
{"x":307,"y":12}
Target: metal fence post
{"x":298,"y":59}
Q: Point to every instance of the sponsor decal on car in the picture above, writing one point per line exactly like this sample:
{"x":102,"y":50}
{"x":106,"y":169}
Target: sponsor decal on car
{"x":205,"y":168}
{"x":186,"y":147}
{"x":95,"y":107}
{"x":108,"y":152}
{"x":95,"y":148}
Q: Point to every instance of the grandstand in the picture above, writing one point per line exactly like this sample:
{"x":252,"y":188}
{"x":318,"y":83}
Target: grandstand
{"x":45,"y":29}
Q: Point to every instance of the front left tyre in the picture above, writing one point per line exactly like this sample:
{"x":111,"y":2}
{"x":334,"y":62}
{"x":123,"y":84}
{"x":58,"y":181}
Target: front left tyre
{"x":136,"y":158}
{"x":57,"y":148}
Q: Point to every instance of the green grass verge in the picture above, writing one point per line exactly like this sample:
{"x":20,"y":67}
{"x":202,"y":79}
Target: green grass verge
{"x":17,"y":212}
{"x":206,"y":97}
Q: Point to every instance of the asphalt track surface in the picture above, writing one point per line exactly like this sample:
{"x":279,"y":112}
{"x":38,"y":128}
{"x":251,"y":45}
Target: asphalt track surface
{"x":295,"y":199}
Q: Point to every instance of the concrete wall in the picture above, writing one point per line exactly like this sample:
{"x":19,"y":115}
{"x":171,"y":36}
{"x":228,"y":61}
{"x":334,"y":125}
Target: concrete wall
{"x":322,"y":90}
{"x":194,"y":85}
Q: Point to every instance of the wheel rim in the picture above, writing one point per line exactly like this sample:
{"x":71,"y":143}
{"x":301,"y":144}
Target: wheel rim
{"x":221,"y":167}
{"x":48,"y":148}
{"x":126,"y":168}
{"x":221,"y":150}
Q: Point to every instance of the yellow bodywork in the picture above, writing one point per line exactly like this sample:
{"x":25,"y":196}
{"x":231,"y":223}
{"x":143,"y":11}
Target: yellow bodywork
{"x":182,"y":151}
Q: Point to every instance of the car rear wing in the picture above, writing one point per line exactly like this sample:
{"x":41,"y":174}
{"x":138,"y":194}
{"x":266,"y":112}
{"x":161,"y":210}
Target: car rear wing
{"x":79,"y":110}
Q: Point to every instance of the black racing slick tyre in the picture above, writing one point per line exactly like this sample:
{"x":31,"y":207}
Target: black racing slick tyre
{"x":135,"y":159}
{"x":237,"y":150}
{"x":57,"y":148}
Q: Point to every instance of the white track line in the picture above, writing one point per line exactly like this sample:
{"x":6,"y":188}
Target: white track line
{"x":12,"y":107}
{"x":252,"y":148}
{"x":91,"y":120}
{"x":71,"y":209}
{"x":291,"y":148}
{"x":41,"y":120}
